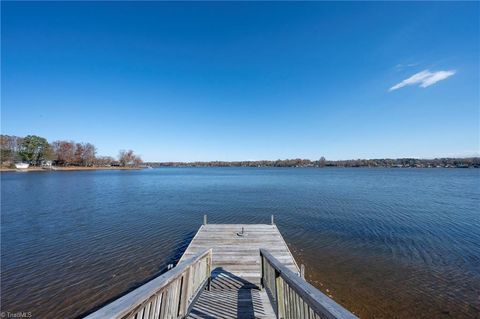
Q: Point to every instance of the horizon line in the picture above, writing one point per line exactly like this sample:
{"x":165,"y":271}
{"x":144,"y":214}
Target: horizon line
{"x":326,"y":159}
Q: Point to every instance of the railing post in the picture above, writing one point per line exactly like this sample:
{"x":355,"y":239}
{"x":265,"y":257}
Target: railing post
{"x":209,"y":270}
{"x":262,"y":278}
{"x":302,"y":271}
{"x":205,"y":219}
{"x":163,"y":303}
{"x":272,"y":220}
{"x":185,"y":292}
{"x":280,"y":296}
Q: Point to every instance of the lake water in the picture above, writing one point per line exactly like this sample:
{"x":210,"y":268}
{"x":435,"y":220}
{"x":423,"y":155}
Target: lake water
{"x":384,"y":243}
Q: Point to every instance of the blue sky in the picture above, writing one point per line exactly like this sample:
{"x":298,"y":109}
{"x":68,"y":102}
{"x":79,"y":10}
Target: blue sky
{"x":245,"y":81}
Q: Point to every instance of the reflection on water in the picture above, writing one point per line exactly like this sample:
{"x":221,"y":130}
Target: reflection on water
{"x":383,"y":242}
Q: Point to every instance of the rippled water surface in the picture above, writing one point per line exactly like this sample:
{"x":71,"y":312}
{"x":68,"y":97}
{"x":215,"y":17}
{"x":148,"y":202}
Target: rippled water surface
{"x":384,"y":243}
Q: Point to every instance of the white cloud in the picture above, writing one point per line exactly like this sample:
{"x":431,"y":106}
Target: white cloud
{"x":424,"y":79}
{"x":402,"y":66}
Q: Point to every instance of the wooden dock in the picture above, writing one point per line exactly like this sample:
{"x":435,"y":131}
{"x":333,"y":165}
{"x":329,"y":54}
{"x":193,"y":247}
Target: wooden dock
{"x":229,"y":271}
{"x":236,"y":269}
{"x":238,"y":254}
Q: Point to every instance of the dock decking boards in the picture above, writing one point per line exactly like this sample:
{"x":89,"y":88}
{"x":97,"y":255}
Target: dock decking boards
{"x":239,"y":255}
{"x":236,"y":269}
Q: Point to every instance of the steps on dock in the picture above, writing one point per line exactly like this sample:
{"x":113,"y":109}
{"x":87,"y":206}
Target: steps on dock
{"x":231,"y":297}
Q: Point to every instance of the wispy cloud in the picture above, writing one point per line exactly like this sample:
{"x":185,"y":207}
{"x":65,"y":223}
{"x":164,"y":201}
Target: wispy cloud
{"x":424,"y":79}
{"x":402,"y":66}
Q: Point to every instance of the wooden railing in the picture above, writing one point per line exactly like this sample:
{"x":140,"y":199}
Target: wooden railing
{"x":167,"y":296}
{"x":292,"y":297}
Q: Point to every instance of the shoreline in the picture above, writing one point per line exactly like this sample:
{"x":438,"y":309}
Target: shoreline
{"x":316,"y":167}
{"x":69,"y":168}
{"x":100,"y":168}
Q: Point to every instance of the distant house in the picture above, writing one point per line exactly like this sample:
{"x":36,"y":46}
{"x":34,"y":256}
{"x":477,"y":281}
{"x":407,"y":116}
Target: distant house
{"x":47,"y":164}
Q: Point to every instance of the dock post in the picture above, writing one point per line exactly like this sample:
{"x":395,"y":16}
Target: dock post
{"x":205,"y":219}
{"x":302,"y":271}
{"x":273,"y":222}
{"x":280,"y":296}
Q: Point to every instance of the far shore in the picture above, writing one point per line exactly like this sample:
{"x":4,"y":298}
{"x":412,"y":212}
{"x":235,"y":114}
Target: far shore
{"x":68,"y":168}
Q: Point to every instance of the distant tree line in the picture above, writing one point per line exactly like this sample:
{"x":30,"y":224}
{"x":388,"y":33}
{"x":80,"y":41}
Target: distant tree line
{"x":322,"y":162}
{"x":36,"y":150}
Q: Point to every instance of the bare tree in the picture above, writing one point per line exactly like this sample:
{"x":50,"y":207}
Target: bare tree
{"x":78,"y":155}
{"x":128,"y":158}
{"x":10,"y":146}
{"x":64,"y":152}
{"x":104,"y":161}
{"x":89,"y":151}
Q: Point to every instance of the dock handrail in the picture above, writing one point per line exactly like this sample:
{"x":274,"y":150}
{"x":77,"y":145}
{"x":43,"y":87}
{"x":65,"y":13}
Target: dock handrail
{"x":167,"y":296}
{"x":293,"y":297}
